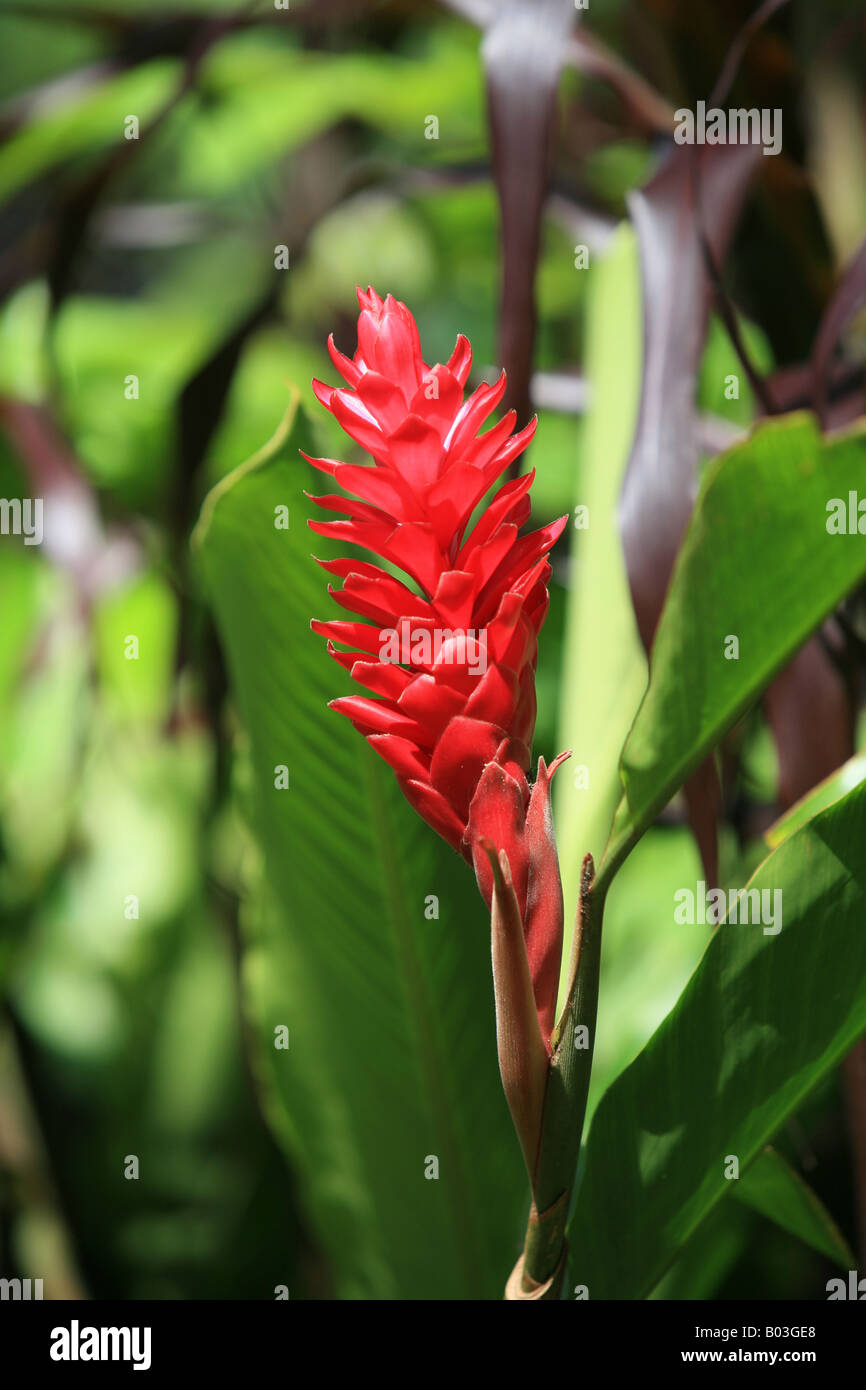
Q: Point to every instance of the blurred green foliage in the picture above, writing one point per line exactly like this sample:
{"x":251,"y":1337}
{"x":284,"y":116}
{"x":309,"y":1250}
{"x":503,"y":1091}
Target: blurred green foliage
{"x":118,"y":778}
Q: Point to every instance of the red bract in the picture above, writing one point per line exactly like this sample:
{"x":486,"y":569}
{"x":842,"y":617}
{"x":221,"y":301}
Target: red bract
{"x":451,"y":654}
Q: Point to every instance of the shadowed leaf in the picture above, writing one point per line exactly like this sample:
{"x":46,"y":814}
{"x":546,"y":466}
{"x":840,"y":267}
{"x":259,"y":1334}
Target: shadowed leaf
{"x":762,"y":1020}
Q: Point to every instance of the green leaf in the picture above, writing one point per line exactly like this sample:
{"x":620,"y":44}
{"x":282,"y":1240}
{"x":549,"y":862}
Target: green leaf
{"x":44,"y":725}
{"x":604,"y":672}
{"x":134,"y":1045}
{"x":91,"y":118}
{"x":762,"y":1020}
{"x":772,"y":1187}
{"x":391,"y":1059}
{"x":266,"y":99}
{"x":709,"y":1257}
{"x":767,"y":497}
{"x":645,"y":966}
{"x":136,"y":688}
{"x":126,"y":444}
{"x":604,"y":668}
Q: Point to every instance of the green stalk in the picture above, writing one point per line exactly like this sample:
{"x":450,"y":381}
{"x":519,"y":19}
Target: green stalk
{"x":540,"y":1271}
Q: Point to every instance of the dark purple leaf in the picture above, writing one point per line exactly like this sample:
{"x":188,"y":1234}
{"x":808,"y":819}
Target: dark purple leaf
{"x":661,"y":477}
{"x":649,"y":112}
{"x":812,"y":719}
{"x":523,"y":51}
{"x":731,"y":65}
{"x":793,"y":388}
{"x":846,"y":303}
{"x":658,"y":494}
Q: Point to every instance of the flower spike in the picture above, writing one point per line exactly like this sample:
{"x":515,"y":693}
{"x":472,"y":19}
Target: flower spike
{"x":445,"y":657}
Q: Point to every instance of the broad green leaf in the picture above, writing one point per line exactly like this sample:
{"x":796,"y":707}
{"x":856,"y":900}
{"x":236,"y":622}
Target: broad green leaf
{"x":604,"y":668}
{"x":709,"y":1256}
{"x":391,"y":1060}
{"x":762,"y":1020}
{"x":772,"y":1187}
{"x":757,"y":564}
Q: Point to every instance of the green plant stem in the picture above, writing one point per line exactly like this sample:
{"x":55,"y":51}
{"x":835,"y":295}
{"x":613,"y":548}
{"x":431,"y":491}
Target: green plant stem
{"x":565,"y":1100}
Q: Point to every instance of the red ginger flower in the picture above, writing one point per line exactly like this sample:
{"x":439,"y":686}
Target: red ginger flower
{"x":452,"y":656}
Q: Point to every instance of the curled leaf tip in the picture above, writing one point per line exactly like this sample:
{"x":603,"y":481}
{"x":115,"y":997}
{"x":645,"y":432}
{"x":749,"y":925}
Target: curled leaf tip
{"x":505,"y":869}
